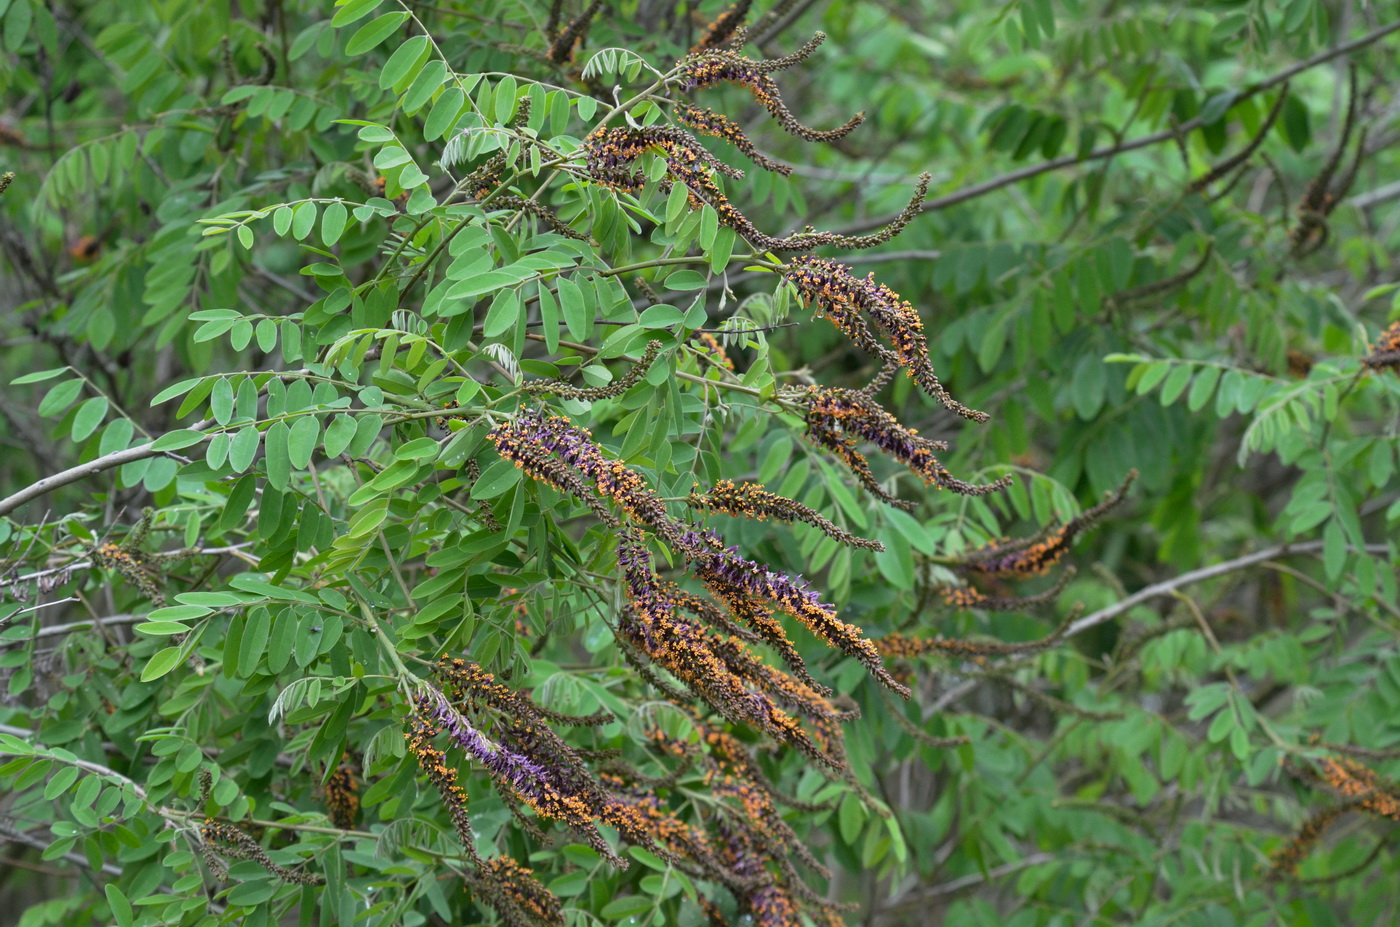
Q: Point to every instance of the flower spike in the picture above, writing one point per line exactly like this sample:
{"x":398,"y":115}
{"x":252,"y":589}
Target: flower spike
{"x":837,"y":417}
{"x":849,"y":302}
{"x":714,"y":66}
{"x":1036,"y":554}
{"x":750,"y":500}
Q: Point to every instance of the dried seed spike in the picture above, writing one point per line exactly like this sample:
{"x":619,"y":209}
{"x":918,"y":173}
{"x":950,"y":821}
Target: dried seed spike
{"x":837,"y":417}
{"x":236,"y":844}
{"x":1035,"y":555}
{"x":710,"y":67}
{"x":541,"y":212}
{"x":718,"y":125}
{"x":750,"y":500}
{"x":848,"y":301}
{"x":620,"y":386}
{"x":6,"y":179}
{"x":556,"y":13}
{"x":1230,"y":163}
{"x":968,"y":597}
{"x":897,"y":225}
{"x":561,"y":50}
{"x":903,"y":646}
{"x":1386,"y":351}
{"x":794,"y":59}
{"x":522,"y":112}
{"x":1284,"y":861}
{"x":725,"y":26}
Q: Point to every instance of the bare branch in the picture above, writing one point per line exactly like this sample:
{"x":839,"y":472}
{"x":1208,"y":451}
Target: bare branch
{"x":74,"y":474}
{"x":1146,"y":141}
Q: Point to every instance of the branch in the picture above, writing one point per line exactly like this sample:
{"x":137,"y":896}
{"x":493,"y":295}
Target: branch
{"x":73,"y":474}
{"x":39,"y":843}
{"x":1168,"y":586}
{"x":1165,"y":587}
{"x":54,"y":630}
{"x":1098,"y":154}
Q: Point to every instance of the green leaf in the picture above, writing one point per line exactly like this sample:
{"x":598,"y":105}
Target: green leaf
{"x":121,"y":908}
{"x":162,"y":628}
{"x":303,"y":220}
{"x":405,"y":59}
{"x":1176,"y":383}
{"x":163,"y":662}
{"x":244,"y":448}
{"x":495,"y":479}
{"x":661,"y":317}
{"x":333,"y":223}
{"x":353,"y":10}
{"x":373,"y":32}
{"x":60,"y":397}
{"x":175,"y":440}
{"x":503,"y":314}
{"x":686,"y":280}
{"x":60,"y":782}
{"x":180,"y":613}
{"x":89,"y":415}
{"x":443,"y":115}
{"x":1202,"y":388}
{"x":39,"y":376}
{"x":305,"y":434}
{"x":627,"y":906}
{"x":279,"y":466}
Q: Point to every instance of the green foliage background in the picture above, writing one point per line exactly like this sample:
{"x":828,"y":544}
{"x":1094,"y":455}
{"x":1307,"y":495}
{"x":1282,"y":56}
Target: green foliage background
{"x":210,"y":303}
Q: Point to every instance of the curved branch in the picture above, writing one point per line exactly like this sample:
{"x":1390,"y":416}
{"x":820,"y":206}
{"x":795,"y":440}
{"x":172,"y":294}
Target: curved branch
{"x":1165,"y":587}
{"x":1098,"y":154}
{"x":73,"y":474}
{"x":1168,"y":586}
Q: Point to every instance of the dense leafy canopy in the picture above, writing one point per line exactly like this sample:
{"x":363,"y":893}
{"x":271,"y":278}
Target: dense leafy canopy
{"x":458,"y":470}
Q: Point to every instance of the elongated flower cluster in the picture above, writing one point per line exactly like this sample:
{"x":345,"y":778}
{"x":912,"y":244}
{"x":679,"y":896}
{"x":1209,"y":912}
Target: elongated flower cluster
{"x":1036,"y":554}
{"x":850,"y":302}
{"x":970,"y":597}
{"x":515,"y":893}
{"x":716,"y":353}
{"x":235,"y":844}
{"x":624,"y":383}
{"x":342,"y":795}
{"x":1357,"y":787}
{"x":718,"y":125}
{"x":561,"y":50}
{"x":901,"y":645}
{"x":751,"y":500}
{"x":1371,"y":793}
{"x":715,"y":66}
{"x":837,"y":418}
{"x":1386,"y":351}
{"x":553,"y":449}
{"x":530,"y":763}
{"x":611,"y":154}
{"x":746,"y":835}
{"x":420,"y":733}
{"x":1284,"y":861}
{"x":718,"y":33}
{"x":741,"y":583}
{"x":560,"y":453}
{"x":654,"y":624}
